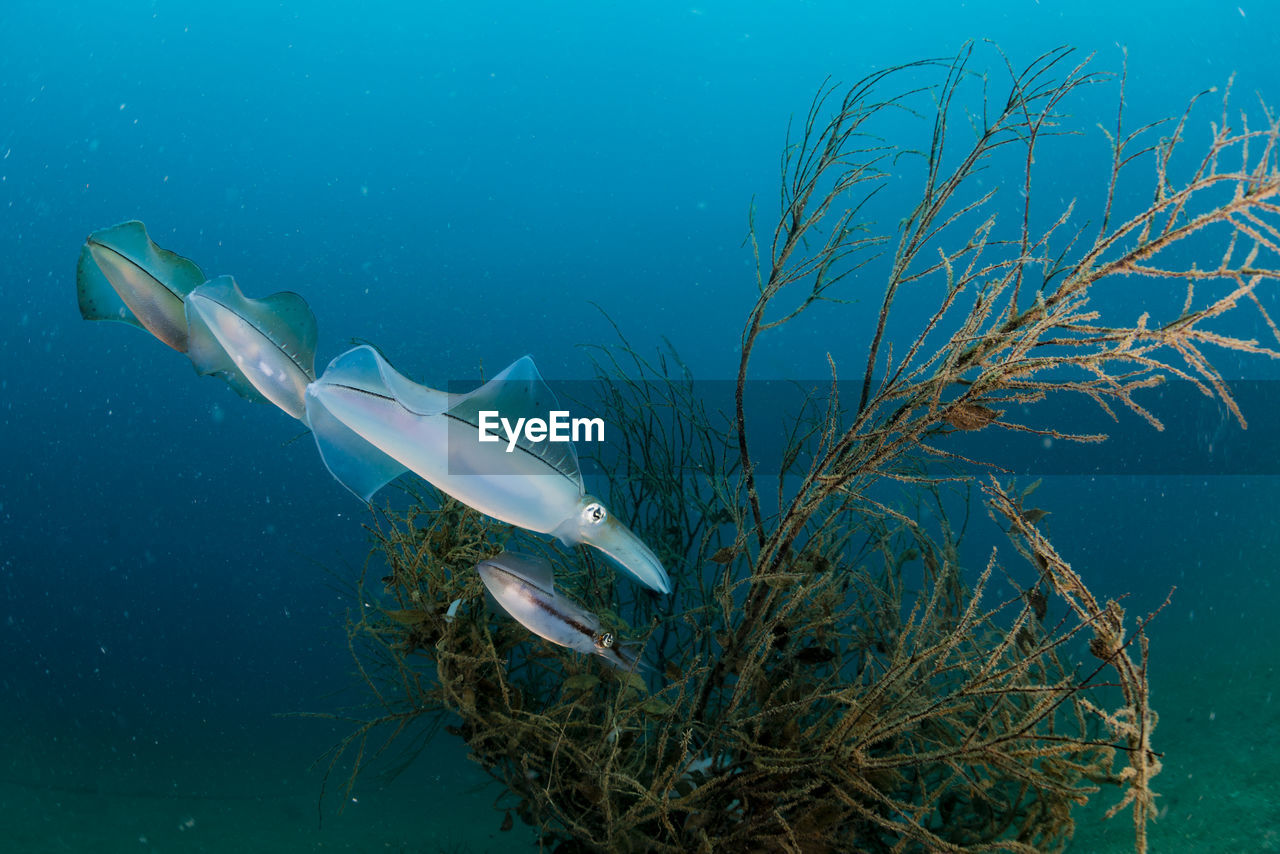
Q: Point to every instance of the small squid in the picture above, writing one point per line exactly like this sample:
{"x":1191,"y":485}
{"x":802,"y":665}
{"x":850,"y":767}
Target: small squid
{"x":524,"y":587}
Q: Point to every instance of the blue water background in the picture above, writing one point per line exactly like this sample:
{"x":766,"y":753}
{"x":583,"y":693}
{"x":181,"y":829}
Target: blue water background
{"x":456,"y":183}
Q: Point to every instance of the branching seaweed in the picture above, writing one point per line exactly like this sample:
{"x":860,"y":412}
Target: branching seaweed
{"x":827,"y":676}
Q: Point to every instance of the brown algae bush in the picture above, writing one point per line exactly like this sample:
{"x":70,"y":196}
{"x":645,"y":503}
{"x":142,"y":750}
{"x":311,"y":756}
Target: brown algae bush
{"x":826,"y":676}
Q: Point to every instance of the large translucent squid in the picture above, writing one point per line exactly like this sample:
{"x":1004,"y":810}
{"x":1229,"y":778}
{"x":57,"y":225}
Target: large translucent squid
{"x":371,"y":424}
{"x":125,"y":277}
{"x":265,"y":349}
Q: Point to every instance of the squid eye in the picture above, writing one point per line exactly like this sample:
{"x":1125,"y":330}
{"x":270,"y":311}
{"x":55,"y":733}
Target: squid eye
{"x":594,"y":513}
{"x":604,"y":640}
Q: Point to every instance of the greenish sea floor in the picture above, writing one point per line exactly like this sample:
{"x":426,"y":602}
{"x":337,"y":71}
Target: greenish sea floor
{"x":1216,"y":685}
{"x":1215,"y":682}
{"x":205,"y":792}
{"x":219,"y":786}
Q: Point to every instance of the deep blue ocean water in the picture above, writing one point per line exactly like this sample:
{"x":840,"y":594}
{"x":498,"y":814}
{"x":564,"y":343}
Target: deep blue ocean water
{"x":462,"y":184}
